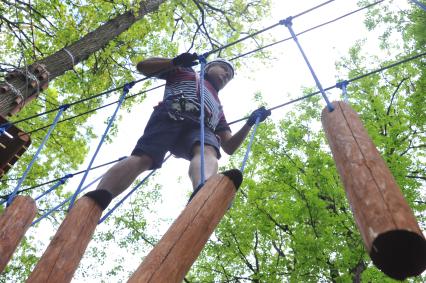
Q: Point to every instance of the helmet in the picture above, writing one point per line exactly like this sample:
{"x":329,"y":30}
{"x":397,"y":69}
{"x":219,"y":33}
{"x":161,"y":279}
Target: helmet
{"x":227,"y":64}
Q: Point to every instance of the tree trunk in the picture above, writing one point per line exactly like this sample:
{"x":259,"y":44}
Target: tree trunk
{"x":23,"y":85}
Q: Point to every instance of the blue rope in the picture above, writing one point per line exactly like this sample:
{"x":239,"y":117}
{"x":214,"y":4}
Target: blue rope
{"x":420,"y":4}
{"x":131,"y":192}
{"x":64,"y":202}
{"x":22,"y":179}
{"x":60,"y":182}
{"x":202,"y":60}
{"x":288,"y":24}
{"x":250,"y":144}
{"x":3,"y":130}
{"x":126,"y":89}
{"x":343,"y":86}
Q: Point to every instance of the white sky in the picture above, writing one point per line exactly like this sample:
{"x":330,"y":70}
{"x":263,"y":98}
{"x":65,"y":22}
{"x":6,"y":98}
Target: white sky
{"x":279,"y":80}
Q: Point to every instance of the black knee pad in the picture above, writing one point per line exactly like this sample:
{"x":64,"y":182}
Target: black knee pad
{"x":101,"y":197}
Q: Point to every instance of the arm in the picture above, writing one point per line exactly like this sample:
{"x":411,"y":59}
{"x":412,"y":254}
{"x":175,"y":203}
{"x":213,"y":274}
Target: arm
{"x":230,"y":143}
{"x":154,"y":65}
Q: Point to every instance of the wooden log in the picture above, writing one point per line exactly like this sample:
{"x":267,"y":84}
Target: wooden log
{"x":175,"y":253}
{"x":14,"y":222}
{"x":62,"y":256}
{"x":386,"y":223}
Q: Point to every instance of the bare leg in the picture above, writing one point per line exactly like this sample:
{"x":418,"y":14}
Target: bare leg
{"x":119,"y":177}
{"x":210,"y":164}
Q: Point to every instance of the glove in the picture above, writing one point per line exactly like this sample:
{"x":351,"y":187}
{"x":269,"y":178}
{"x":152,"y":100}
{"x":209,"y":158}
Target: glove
{"x":185,"y":60}
{"x":262,"y":113}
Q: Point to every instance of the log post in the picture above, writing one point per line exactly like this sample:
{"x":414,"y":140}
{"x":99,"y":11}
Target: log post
{"x":175,"y":253}
{"x":62,"y":256}
{"x":386,"y":223}
{"x":14,"y":222}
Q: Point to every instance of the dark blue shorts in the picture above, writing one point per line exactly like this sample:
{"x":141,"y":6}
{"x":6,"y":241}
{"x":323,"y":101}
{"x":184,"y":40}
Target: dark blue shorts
{"x":163,"y":134}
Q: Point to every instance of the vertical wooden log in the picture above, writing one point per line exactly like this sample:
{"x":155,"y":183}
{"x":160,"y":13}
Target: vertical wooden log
{"x":14,"y":222}
{"x":62,"y":256}
{"x":173,"y":256}
{"x":387,"y":225}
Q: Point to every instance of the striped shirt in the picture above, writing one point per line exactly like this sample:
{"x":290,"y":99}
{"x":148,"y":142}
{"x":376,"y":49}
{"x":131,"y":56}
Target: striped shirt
{"x":182,"y":82}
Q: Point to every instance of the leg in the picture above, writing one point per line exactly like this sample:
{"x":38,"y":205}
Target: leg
{"x":121,"y":175}
{"x":210,"y":164}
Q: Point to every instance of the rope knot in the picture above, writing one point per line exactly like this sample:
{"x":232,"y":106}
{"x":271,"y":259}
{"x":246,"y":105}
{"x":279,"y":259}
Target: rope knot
{"x":342,"y":84}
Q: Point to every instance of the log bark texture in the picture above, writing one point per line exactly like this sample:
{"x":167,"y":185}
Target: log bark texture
{"x":174,"y":255}
{"x":387,"y":224}
{"x":62,"y":256}
{"x":14,"y":222}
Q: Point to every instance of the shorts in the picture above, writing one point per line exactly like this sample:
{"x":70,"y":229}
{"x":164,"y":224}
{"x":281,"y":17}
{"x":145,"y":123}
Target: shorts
{"x":163,"y":134}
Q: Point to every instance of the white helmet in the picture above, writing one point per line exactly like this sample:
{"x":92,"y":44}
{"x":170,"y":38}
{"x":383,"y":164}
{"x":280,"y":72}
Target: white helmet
{"x":223,"y":62}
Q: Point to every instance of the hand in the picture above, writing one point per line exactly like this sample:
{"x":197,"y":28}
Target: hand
{"x":262,"y":113}
{"x":185,"y":60}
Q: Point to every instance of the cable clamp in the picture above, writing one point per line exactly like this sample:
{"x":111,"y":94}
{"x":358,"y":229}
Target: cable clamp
{"x":287,"y":22}
{"x":128,"y":86}
{"x":342,"y":84}
{"x":64,"y":106}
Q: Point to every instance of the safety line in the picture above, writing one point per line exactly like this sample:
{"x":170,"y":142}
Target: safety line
{"x":249,"y":145}
{"x":95,"y":109}
{"x":307,"y":30}
{"x":202,"y":60}
{"x":261,"y":31}
{"x":336,"y":86}
{"x":58,"y":179}
{"x":33,"y":160}
{"x":126,"y":90}
{"x":64,"y":202}
{"x":288,"y":23}
{"x":148,"y":77}
{"x":234,"y":58}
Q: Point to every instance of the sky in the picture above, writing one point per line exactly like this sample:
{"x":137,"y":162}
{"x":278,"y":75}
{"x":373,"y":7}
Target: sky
{"x":279,"y":79}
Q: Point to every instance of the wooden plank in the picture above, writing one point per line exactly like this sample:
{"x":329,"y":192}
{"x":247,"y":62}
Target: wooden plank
{"x":175,"y":253}
{"x":380,"y":210}
{"x":14,"y":222}
{"x":62,"y":256}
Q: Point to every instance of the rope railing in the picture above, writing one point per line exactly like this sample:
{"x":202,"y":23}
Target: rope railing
{"x":154,"y":88}
{"x":65,"y":177}
{"x":205,"y":55}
